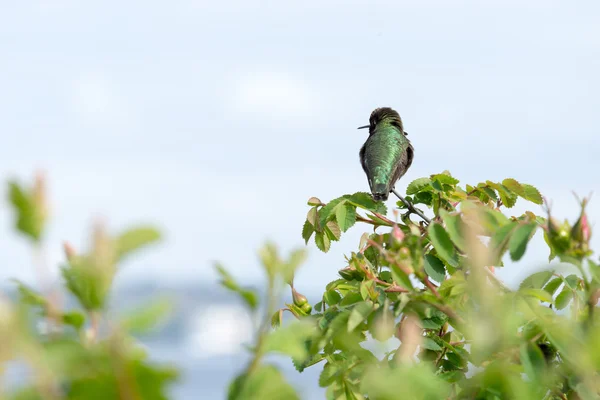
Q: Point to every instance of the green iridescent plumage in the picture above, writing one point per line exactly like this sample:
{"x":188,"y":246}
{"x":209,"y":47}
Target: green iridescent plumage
{"x":387,"y":154}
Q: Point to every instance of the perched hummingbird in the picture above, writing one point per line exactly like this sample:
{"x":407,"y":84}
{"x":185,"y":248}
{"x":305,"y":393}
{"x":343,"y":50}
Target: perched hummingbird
{"x":387,"y":154}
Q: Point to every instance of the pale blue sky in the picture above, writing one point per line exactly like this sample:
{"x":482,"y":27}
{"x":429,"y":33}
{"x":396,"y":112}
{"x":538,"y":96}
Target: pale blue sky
{"x":217,"y":120}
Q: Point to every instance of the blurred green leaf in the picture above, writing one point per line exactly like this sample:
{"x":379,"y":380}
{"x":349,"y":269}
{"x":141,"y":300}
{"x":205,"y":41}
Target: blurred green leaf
{"x":134,"y":239}
{"x":30,"y":215}
{"x":434,"y":267}
{"x":291,"y":339}
{"x":455,"y":228}
{"x":266,"y":382}
{"x":564,"y":298}
{"x":442,"y":244}
{"x":249,"y":296}
{"x":519,"y":239}
{"x":147,"y":317}
{"x":359,"y":314}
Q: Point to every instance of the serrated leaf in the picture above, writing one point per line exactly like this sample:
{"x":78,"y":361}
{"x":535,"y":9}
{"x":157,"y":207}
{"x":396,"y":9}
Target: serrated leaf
{"x":328,"y":211}
{"x":346,"y":216}
{"x":333,"y":231}
{"x":442,"y":244}
{"x":564,"y":298}
{"x":301,"y":365}
{"x":322,"y":241}
{"x":434,"y":267}
{"x":518,"y":241}
{"x":445,"y":179}
{"x":508,"y":197}
{"x":532,"y":194}
{"x":134,"y":239}
{"x":553,"y":285}
{"x":311,"y":216}
{"x":307,"y":231}
{"x":365,"y":200}
{"x":418,"y":185}
{"x":359,"y":313}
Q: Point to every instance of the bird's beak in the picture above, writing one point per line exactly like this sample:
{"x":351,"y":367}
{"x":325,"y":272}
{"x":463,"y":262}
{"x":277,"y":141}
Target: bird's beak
{"x":363,"y":127}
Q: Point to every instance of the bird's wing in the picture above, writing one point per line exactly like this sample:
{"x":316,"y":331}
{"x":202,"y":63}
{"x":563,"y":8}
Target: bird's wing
{"x":361,"y":154}
{"x":405,"y":162}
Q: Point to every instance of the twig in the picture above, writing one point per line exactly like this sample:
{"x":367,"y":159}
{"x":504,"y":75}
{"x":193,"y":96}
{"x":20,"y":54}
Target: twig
{"x":410,"y":207}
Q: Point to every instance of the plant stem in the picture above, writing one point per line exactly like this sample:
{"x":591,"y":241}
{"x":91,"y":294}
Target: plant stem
{"x":410,"y":207}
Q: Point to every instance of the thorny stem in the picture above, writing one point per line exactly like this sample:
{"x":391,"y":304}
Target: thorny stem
{"x":410,"y":207}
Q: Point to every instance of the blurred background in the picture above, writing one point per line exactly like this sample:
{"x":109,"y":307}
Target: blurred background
{"x":218,"y":120}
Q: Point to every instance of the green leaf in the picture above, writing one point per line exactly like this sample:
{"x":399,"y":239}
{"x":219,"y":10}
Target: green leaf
{"x":499,"y":241}
{"x":135,"y":238}
{"x":346,"y":216}
{"x":418,"y":185}
{"x":29,"y":296}
{"x":328,"y":211}
{"x":539,"y":294}
{"x":536,"y":280}
{"x":74,"y":318}
{"x":291,"y":339}
{"x":332,"y":297}
{"x":266,"y":382}
{"x":533,"y":360}
{"x":30,"y":216}
{"x":445,"y":179}
{"x":247,"y":295}
{"x":519,"y":239}
{"x":434,"y":267}
{"x":365,"y":200}
{"x":276,"y":319}
{"x":553,"y":285}
{"x":506,"y":195}
{"x":333,"y":230}
{"x":359,"y":313}
{"x":322,"y":241}
{"x":442,"y":244}
{"x":532,"y":194}
{"x":307,"y":231}
{"x":564,"y":298}
{"x":572,"y":281}
{"x":430,"y":344}
{"x":455,"y":228}
{"x":147,"y":317}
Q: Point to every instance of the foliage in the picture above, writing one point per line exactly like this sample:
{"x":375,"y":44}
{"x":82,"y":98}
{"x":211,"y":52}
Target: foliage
{"x":83,"y":353}
{"x":428,"y":292}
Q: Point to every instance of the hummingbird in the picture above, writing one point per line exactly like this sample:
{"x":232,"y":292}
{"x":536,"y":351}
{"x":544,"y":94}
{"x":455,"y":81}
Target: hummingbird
{"x":387,"y":154}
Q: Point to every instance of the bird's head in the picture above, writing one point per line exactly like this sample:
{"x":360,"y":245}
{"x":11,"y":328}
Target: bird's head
{"x":384,"y":115}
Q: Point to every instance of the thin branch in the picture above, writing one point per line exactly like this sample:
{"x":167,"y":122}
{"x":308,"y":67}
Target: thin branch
{"x":410,"y":207}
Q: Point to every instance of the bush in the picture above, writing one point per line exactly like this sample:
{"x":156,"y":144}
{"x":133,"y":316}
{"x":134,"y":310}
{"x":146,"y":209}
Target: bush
{"x":84,"y":352}
{"x":428,"y":289}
